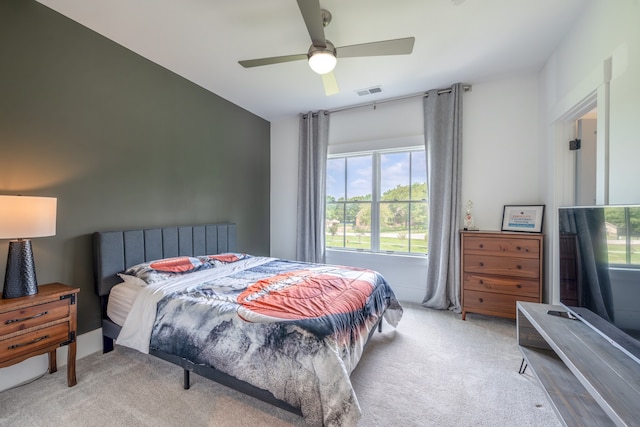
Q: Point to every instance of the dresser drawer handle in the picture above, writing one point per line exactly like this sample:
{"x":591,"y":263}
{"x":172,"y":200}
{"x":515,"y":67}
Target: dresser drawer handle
{"x":518,"y":286}
{"x":480,"y":299}
{"x":11,"y":347}
{"x":482,"y":264}
{"x":10,"y":321}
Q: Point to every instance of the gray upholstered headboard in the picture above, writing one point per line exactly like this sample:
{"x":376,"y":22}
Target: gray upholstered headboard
{"x":115,"y":251}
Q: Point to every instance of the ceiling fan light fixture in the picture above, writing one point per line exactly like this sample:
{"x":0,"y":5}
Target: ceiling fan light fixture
{"x":322,"y":60}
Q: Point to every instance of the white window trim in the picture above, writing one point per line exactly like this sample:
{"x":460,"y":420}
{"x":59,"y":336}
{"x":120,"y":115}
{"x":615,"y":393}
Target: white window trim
{"x":360,"y":148}
{"x":393,"y":144}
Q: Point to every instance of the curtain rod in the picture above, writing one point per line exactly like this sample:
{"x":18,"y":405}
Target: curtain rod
{"x":465,"y":88}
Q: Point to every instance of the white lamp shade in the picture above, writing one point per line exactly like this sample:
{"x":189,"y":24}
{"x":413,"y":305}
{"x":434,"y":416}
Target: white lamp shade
{"x":26,"y":217}
{"x":322,"y":62}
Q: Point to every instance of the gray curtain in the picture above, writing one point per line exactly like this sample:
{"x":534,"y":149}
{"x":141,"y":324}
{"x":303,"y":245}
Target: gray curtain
{"x":443,"y":144}
{"x":312,"y":172}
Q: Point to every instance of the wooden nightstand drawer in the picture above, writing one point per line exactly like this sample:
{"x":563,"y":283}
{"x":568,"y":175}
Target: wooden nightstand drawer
{"x":504,"y":285}
{"x":506,"y":266}
{"x":494,"y":304}
{"x":29,"y":317}
{"x":502,"y":245}
{"x":39,"y":324}
{"x":40,"y":339}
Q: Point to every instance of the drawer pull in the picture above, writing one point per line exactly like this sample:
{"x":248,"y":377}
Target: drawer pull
{"x":519,"y":267}
{"x":11,"y":347}
{"x":481,"y":246}
{"x":10,"y":321}
{"x":480,"y":299}
{"x":518,"y":286}
{"x":482,"y":264}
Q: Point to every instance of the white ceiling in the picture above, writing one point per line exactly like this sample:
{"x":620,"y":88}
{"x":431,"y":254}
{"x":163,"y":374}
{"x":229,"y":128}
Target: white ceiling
{"x":456,"y":41}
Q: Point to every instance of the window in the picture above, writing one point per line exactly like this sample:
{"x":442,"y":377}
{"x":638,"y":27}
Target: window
{"x":377,"y":201}
{"x":623,"y":236}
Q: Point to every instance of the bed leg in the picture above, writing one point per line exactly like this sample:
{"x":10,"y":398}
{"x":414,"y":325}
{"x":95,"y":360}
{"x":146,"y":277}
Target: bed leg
{"x":380,"y":326}
{"x":107,"y":344}
{"x":186,"y":379}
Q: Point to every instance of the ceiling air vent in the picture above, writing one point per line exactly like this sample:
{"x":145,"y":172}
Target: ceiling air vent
{"x":369,"y":91}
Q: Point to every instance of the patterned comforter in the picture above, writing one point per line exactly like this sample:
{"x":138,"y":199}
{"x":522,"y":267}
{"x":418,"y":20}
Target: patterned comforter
{"x":294,"y":329}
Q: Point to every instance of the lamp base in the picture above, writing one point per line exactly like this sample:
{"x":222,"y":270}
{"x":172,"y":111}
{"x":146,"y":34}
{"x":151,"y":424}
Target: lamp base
{"x":20,"y":276}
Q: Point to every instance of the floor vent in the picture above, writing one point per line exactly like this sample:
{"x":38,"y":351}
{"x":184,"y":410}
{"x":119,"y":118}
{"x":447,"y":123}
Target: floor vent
{"x":369,"y":91}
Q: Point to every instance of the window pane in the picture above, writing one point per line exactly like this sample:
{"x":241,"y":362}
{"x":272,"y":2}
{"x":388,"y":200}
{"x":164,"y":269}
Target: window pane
{"x":394,"y":226}
{"x":419,"y":224}
{"x":399,"y":191}
{"x":394,"y":176}
{"x":334,"y":213}
{"x":418,"y":175}
{"x":335,"y":179}
{"x":358,"y":225}
{"x":359,"y":175}
{"x":334,"y":227}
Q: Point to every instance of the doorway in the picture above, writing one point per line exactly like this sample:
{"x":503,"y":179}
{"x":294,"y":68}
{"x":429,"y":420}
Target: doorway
{"x":585,"y":180}
{"x":580,"y":173}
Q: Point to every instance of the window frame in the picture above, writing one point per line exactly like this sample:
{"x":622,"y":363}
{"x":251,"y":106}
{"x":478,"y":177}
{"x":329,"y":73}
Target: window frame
{"x":376,"y":151}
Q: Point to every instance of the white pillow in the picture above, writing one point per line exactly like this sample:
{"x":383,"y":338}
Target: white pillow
{"x":133,"y":280}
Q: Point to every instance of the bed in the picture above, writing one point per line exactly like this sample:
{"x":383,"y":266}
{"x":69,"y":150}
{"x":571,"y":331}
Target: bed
{"x":285,"y":332}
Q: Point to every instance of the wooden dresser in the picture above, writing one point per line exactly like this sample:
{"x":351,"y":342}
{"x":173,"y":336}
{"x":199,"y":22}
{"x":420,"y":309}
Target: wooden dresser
{"x":39,"y":324}
{"x":499,"y":268}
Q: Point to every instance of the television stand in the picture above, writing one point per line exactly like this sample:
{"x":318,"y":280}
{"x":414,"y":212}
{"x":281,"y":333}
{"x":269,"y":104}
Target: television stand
{"x":588,"y":381}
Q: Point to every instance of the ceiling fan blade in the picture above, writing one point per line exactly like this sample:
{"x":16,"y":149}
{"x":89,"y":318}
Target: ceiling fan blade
{"x":330,"y":84}
{"x":272,"y":60}
{"x":387,"y":47}
{"x":312,"y":16}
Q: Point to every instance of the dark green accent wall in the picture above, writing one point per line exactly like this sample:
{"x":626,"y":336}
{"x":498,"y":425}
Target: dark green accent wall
{"x":121,"y":142}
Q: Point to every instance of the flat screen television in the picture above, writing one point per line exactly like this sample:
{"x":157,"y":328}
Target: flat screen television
{"x":599,"y":250}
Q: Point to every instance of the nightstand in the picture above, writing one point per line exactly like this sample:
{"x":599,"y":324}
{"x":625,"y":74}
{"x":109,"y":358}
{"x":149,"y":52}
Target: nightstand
{"x":39,"y":324}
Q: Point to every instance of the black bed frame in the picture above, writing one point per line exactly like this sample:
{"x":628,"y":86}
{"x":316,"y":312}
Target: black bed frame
{"x":115,"y":251}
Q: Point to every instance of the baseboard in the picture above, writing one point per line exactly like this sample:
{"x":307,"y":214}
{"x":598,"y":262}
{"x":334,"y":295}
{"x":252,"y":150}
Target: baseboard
{"x":35,"y":367}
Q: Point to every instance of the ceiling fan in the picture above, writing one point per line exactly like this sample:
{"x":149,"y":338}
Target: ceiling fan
{"x":322,"y":54}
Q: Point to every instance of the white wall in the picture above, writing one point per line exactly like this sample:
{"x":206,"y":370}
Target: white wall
{"x":500,"y":166}
{"x":284,"y":187}
{"x":606,"y":31}
{"x":500,"y":163}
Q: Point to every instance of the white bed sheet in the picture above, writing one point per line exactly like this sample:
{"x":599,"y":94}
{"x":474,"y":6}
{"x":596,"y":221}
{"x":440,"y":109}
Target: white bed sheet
{"x":120,"y":301}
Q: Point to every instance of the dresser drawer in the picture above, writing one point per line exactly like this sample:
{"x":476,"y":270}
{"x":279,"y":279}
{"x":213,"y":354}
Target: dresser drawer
{"x":499,"y":284}
{"x":506,"y":266}
{"x":508,"y":246}
{"x":21,"y":345}
{"x":492,"y":303}
{"x":28,"y":317}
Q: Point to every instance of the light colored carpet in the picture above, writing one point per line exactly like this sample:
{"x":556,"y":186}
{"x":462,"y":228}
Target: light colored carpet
{"x":433,"y":370}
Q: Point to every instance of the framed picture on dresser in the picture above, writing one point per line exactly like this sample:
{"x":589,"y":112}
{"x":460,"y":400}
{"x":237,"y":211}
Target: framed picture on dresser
{"x":524,"y":218}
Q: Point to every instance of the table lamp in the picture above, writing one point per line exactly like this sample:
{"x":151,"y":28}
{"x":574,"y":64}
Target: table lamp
{"x":23,"y":217}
